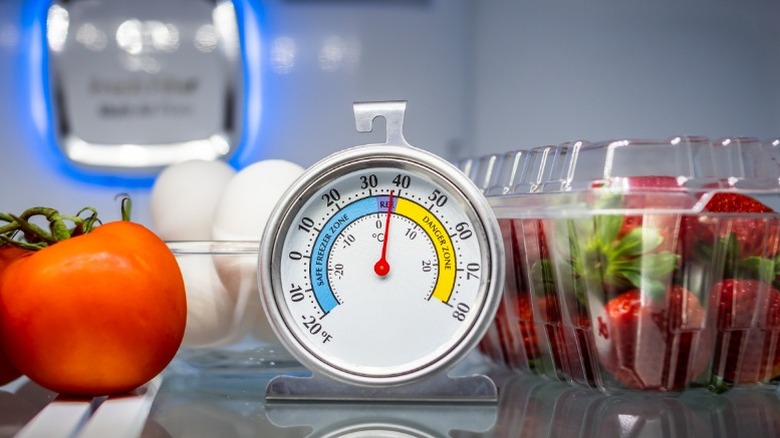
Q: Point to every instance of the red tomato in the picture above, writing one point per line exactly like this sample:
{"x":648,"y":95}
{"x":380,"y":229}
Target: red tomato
{"x":8,"y":372}
{"x":95,"y":314}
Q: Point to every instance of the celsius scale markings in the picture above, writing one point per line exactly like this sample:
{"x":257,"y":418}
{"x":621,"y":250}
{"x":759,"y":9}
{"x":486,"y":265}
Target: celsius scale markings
{"x":422,"y":217}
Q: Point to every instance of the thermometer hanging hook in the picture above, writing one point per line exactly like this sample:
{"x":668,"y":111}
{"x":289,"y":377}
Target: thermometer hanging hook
{"x":393,"y":112}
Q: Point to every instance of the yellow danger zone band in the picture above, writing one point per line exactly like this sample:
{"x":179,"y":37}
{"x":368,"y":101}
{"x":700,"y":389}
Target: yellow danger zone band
{"x":445,"y":252}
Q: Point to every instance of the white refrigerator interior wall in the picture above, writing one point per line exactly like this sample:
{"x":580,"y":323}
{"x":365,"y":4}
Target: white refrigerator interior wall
{"x":479,"y":76}
{"x":550,"y":72}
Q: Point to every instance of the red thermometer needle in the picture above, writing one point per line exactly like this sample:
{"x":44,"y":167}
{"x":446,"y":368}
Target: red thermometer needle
{"x":382,"y":267}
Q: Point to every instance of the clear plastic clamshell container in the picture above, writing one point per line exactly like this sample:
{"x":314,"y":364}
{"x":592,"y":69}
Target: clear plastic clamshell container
{"x":637,"y":265}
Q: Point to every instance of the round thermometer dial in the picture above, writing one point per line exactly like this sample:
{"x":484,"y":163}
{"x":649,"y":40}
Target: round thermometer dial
{"x":380,"y":266}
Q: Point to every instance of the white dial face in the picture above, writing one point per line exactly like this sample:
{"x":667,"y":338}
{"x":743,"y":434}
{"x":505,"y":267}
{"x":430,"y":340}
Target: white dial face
{"x":384,"y":270}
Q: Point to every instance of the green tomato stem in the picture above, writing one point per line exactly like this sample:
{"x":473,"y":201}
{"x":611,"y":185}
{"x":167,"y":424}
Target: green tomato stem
{"x":127,"y":206}
{"x":36,"y":237}
{"x":32,"y":233}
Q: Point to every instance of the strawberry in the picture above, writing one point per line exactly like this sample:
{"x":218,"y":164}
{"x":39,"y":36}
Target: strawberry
{"x":741,"y":228}
{"x":653,"y":343}
{"x":651,"y":334}
{"x":726,"y":202}
{"x":604,"y":258}
{"x":649,"y":192}
{"x":756,"y":235}
{"x":569,"y":342}
{"x":515,"y":321}
{"x":748,"y":331}
{"x":639,"y":183}
{"x":520,"y":337}
{"x":530,"y":241}
{"x":525,"y":326}
{"x":565,"y":325}
{"x":565,"y":337}
{"x":509,"y":346}
{"x":580,"y":352}
{"x":615,"y":252}
{"x":606,"y":254}
{"x":741,"y":241}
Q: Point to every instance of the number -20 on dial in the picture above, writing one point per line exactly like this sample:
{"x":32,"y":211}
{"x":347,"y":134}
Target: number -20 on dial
{"x":383,"y":266}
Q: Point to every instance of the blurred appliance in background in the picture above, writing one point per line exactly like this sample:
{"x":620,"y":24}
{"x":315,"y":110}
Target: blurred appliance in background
{"x":130,"y":87}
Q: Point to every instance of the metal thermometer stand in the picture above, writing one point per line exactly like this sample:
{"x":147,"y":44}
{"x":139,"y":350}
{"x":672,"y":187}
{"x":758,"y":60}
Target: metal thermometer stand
{"x":437,"y":387}
{"x":329,"y":420}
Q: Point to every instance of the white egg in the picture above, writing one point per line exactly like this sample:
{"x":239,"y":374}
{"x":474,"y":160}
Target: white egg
{"x":250,"y":197}
{"x":241,"y":214}
{"x":239,"y":276}
{"x":215,"y":315}
{"x":184,"y":196}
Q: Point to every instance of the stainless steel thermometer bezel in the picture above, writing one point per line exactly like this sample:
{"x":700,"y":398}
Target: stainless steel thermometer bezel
{"x":396,"y":154}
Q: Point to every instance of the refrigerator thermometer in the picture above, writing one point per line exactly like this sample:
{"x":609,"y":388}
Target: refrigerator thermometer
{"x":383,"y":263}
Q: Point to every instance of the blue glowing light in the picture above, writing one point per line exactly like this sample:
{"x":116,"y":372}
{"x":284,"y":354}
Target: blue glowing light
{"x":36,"y":101}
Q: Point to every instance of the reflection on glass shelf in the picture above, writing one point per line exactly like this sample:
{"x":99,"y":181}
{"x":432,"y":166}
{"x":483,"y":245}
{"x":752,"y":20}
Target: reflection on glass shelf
{"x":187,"y":405}
{"x":528,"y":407}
